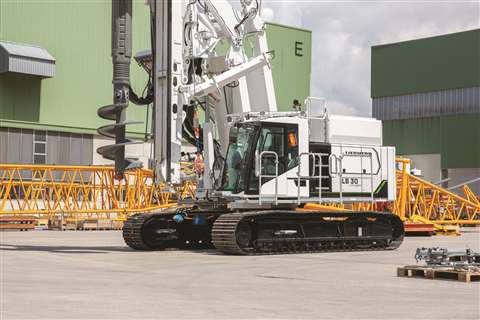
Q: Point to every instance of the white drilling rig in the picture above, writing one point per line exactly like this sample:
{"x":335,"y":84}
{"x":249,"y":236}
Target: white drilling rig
{"x":265,"y":164}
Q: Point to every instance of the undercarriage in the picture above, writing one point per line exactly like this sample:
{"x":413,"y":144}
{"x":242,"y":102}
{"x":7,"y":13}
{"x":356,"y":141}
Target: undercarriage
{"x":265,"y":231}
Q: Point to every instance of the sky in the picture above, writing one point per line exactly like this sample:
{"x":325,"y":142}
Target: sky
{"x":344,"y":31}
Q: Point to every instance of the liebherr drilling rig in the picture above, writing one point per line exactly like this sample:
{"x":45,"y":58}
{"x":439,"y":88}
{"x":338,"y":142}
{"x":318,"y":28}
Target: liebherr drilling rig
{"x":264,"y":165}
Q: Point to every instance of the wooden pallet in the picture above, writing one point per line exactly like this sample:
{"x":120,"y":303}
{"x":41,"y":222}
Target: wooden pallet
{"x":438,"y":273}
{"x":22,"y":223}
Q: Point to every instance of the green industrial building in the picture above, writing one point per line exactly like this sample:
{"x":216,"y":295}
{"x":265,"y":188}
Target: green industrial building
{"x":56,"y":70}
{"x":427,"y":93}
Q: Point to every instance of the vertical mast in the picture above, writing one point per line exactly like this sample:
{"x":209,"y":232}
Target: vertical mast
{"x":167,"y":77}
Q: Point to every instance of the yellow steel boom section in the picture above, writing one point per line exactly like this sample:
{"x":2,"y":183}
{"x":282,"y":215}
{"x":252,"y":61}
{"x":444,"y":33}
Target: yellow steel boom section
{"x":420,"y":201}
{"x":417,"y":197}
{"x":92,"y":192}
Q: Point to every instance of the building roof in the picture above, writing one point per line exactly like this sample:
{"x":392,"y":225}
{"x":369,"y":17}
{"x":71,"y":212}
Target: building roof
{"x":27,"y":59}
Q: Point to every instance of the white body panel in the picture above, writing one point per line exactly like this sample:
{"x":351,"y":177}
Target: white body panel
{"x":362,"y":169}
{"x":359,"y":181}
{"x":345,"y":129}
{"x":354,"y":130}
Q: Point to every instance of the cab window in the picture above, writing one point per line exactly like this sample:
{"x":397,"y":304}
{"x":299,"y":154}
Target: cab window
{"x":281,"y":139}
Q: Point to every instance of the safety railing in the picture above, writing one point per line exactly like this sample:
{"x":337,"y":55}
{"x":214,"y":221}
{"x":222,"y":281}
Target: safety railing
{"x":338,"y":172}
{"x":264,"y":155}
{"x":338,"y":161}
{"x":320,"y":165}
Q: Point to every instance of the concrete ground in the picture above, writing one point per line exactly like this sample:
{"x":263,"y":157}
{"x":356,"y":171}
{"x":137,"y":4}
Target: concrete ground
{"x":93,"y":275}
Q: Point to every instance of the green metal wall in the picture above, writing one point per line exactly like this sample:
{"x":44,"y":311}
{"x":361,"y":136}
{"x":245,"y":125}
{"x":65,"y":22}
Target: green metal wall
{"x":291,"y":73}
{"x":456,"y":138}
{"x":444,"y":62}
{"x":77,"y":34}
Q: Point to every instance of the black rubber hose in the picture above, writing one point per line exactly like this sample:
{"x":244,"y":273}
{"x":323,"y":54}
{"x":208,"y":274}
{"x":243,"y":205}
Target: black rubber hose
{"x":141,"y":101}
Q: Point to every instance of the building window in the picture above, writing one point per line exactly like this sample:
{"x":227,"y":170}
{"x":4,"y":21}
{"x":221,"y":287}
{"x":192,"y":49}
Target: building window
{"x":39,"y":147}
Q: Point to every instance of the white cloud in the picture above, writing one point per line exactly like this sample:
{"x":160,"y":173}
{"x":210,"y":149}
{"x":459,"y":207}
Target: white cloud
{"x":344,"y":31}
{"x":287,"y":13}
{"x":268,"y":14}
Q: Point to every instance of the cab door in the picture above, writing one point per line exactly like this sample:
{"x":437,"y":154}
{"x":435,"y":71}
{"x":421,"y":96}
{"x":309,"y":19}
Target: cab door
{"x":281,"y":138}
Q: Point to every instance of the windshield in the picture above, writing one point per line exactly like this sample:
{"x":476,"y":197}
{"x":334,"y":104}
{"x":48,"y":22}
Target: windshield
{"x":241,"y":139}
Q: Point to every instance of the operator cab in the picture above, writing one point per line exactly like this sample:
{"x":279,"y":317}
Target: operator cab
{"x":262,"y":160}
{"x":294,"y":158}
{"x":248,"y":141}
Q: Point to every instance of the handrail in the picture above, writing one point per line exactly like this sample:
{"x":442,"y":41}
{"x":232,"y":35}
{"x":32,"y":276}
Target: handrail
{"x":268,"y":176}
{"x":308,"y":103}
{"x":300,"y":177}
{"x":361,"y":173}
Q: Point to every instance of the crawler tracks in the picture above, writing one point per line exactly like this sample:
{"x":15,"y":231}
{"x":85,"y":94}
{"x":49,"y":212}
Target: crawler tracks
{"x":274,"y":232}
{"x":267,"y":232}
{"x":147,"y":231}
{"x":158,"y":231}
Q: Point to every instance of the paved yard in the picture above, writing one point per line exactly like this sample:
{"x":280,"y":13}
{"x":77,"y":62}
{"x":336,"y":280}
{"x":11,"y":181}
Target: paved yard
{"x":92,"y":275}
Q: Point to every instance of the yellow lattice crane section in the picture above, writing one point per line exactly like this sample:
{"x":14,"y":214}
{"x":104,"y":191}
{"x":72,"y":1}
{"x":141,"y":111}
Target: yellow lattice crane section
{"x":470,"y":195}
{"x":419,"y":201}
{"x":419,"y":198}
{"x":86,"y":192}
{"x":91,"y":192}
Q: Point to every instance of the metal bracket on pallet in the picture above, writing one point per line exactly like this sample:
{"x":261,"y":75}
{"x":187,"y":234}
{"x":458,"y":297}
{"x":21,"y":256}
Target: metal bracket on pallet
{"x":437,"y":256}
